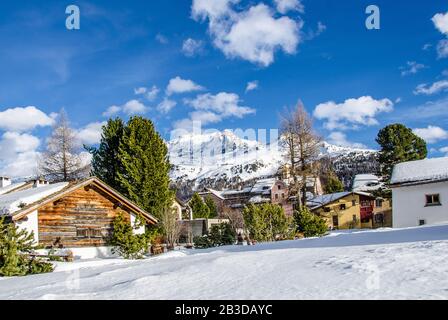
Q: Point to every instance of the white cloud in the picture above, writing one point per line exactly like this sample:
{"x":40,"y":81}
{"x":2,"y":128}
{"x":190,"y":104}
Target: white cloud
{"x":24,"y":119}
{"x":340,"y":139}
{"x":442,"y":49}
{"x":252,"y":85}
{"x":352,"y":112}
{"x":161,"y":38}
{"x":112,"y":110}
{"x":191,"y":47}
{"x":149,"y":94}
{"x":440,"y":21}
{"x":179,"y":85}
{"x":18,"y":154}
{"x":315,"y":33}
{"x":431,"y":134}
{"x":134,"y":107}
{"x":283,"y":6}
{"x":253,"y":34}
{"x":444,"y":150}
{"x":90,"y":134}
{"x":436,"y":87}
{"x":166,"y":105}
{"x":411,"y":67}
{"x":427,"y":46}
{"x":209,"y":108}
{"x":141,"y":90}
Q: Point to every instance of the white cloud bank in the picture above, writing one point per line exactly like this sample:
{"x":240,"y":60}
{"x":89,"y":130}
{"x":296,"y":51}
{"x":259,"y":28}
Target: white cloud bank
{"x":440,"y":21}
{"x":18,"y":154}
{"x":283,"y":6}
{"x":24,"y":119}
{"x":179,"y":85}
{"x":434,"y":88}
{"x":191,"y":47}
{"x":209,"y":108}
{"x":90,"y":134}
{"x":254,"y":34}
{"x":252,"y":85}
{"x":131,"y":107}
{"x":352,"y":112}
{"x":431,"y":134}
{"x":340,"y":139}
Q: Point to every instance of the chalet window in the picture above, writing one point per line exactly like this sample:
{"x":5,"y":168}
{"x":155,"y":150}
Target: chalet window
{"x":276,"y":196}
{"x":335,"y":222}
{"x":421,"y":222}
{"x":342,"y":206}
{"x":279,"y":187}
{"x":88,"y":233}
{"x":433,"y":200}
{"x":353,"y":202}
{"x":354,"y":218}
{"x":378,"y":203}
{"x":327,"y":209}
{"x":283,"y":196}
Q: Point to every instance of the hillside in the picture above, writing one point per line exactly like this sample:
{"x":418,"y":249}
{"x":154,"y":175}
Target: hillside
{"x":224,"y":160}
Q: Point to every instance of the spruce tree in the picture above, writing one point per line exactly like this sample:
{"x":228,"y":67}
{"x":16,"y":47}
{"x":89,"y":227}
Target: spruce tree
{"x":144,"y":176}
{"x":333,"y":184}
{"x":198,"y":207}
{"x":398,"y":144}
{"x":213,"y":209}
{"x":106,"y":163}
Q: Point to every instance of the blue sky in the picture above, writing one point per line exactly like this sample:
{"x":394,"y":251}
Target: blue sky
{"x":353,"y":80}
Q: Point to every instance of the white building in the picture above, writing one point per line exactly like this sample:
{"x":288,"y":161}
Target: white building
{"x":420,"y":192}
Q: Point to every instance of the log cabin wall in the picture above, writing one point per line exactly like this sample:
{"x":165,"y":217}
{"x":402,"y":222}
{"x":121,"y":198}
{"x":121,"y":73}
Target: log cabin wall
{"x":82,"y":218}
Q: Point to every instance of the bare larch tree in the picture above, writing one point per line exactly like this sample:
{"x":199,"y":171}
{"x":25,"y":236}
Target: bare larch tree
{"x":302,"y":148}
{"x":61,"y":160}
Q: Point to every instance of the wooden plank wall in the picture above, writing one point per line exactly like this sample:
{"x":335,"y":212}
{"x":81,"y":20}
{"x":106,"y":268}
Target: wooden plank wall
{"x":86,"y":208}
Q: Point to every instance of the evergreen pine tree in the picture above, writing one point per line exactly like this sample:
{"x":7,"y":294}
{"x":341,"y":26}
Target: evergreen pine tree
{"x":333,"y":184}
{"x":106,"y":163}
{"x":15,"y":244}
{"x":309,"y":224}
{"x":144,"y":176}
{"x":198,"y":207}
{"x":398,"y":144}
{"x":213,"y":209}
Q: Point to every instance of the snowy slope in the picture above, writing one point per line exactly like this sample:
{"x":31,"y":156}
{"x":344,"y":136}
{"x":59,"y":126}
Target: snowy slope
{"x":374,"y":264}
{"x":223,"y":159}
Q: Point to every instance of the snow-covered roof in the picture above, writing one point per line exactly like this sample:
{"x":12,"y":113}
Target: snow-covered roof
{"x":322,"y":200}
{"x":366,"y":182}
{"x":12,"y":202}
{"x":435,"y":169}
{"x":259,"y":199}
{"x":11,"y":187}
{"x":263,"y":185}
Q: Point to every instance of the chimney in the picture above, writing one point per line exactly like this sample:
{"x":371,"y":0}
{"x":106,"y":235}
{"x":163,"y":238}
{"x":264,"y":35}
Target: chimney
{"x":4,"y":182}
{"x":40,"y":183}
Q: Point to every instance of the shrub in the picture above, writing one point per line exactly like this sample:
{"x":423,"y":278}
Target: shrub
{"x":309,"y":224}
{"x":267,"y":222}
{"x":219,"y":235}
{"x":125,"y":242}
{"x":15,"y":246}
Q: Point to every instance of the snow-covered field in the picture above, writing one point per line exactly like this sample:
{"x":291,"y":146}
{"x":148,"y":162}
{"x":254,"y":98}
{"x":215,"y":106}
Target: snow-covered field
{"x":381,"y":264}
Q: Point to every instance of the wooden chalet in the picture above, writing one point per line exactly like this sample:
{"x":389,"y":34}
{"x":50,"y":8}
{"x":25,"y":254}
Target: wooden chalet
{"x":69,"y":215}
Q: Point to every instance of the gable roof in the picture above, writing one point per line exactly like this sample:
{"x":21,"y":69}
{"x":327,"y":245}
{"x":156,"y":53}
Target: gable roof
{"x":325,"y":199}
{"x":38,"y":197}
{"x":420,"y":171}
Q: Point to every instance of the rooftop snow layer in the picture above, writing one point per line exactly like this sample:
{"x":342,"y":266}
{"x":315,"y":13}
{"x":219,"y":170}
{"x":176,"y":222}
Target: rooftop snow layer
{"x":434,"y":169}
{"x":324,"y":199}
{"x":11,"y":187}
{"x":10,"y":203}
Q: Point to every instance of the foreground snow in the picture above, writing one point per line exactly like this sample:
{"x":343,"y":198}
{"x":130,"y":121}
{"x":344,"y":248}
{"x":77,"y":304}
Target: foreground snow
{"x":381,"y":264}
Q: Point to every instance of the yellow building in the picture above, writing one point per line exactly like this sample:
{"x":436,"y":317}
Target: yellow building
{"x":344,"y":210}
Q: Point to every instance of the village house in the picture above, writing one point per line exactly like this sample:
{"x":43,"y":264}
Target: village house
{"x":263,"y":191}
{"x":420,"y":192}
{"x":344,"y":210}
{"x":75,"y":215}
